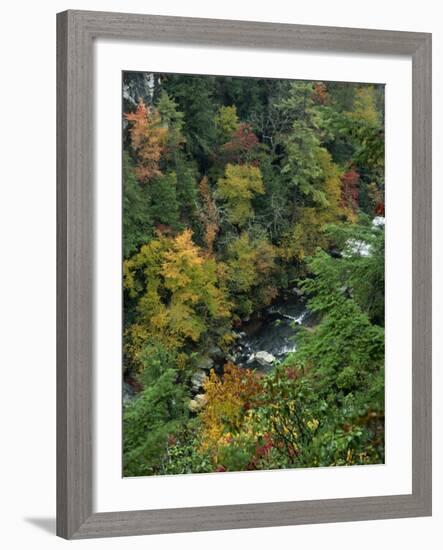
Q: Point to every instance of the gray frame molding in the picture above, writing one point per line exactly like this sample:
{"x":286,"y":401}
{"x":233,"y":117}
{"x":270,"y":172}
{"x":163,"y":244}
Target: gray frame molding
{"x":76,"y":31}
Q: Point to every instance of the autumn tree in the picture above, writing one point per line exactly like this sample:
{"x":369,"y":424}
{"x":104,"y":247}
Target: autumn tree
{"x":320,"y":94}
{"x":179,"y":296}
{"x":242,"y":145}
{"x":228,"y":398}
{"x":250,"y":265}
{"x":364,"y":106}
{"x":237,"y":189}
{"x":226,"y":122}
{"x":148,"y":138}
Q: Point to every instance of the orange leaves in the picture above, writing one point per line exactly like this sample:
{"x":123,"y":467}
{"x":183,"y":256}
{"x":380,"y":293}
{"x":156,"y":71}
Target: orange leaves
{"x":320,"y":94}
{"x":148,"y":140}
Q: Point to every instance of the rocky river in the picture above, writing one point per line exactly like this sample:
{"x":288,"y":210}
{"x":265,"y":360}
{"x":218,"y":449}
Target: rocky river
{"x":270,"y":334}
{"x":261,"y":341}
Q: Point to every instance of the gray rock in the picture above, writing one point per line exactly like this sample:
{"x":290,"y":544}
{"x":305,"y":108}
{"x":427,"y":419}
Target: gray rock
{"x":297,"y":291}
{"x":198,"y":402}
{"x":378,"y":221}
{"x":206,"y":363}
{"x":216,"y":353}
{"x":198,"y":379}
{"x":128,"y":393}
{"x":264,"y":358}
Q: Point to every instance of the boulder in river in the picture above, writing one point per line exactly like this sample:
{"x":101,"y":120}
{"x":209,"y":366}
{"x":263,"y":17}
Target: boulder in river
{"x":128,"y":393}
{"x":216,"y":354}
{"x":264,"y":358}
{"x":378,"y":221}
{"x":198,"y":379}
{"x":206,"y":363}
{"x":198,"y":402}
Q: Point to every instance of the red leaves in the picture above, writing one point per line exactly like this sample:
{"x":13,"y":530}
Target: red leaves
{"x":241,"y":144}
{"x":350,"y":181}
{"x":376,"y":197}
{"x":292,"y":373}
{"x":263,"y":450}
{"x":380,"y":209}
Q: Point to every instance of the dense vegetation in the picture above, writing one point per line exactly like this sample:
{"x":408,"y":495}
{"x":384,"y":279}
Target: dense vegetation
{"x":236,"y":191}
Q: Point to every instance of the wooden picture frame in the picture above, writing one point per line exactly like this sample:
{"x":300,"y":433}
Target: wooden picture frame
{"x":76,"y":32}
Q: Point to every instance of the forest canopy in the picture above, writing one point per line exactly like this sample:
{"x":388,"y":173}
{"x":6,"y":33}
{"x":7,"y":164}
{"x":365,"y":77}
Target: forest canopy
{"x":246,"y":200}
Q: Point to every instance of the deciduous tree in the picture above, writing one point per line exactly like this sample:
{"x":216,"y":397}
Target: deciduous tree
{"x":148,"y":139}
{"x":237,"y":189}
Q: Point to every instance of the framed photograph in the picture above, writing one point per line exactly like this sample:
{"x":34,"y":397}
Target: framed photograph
{"x":244,"y":274}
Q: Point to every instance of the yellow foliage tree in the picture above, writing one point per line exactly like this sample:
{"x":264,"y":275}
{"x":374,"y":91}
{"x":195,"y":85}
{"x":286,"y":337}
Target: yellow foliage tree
{"x":228,"y":399}
{"x":226,"y":122}
{"x":249,"y":266}
{"x":249,"y":262}
{"x":365,"y":108}
{"x":237,"y":189}
{"x":180,"y":296}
